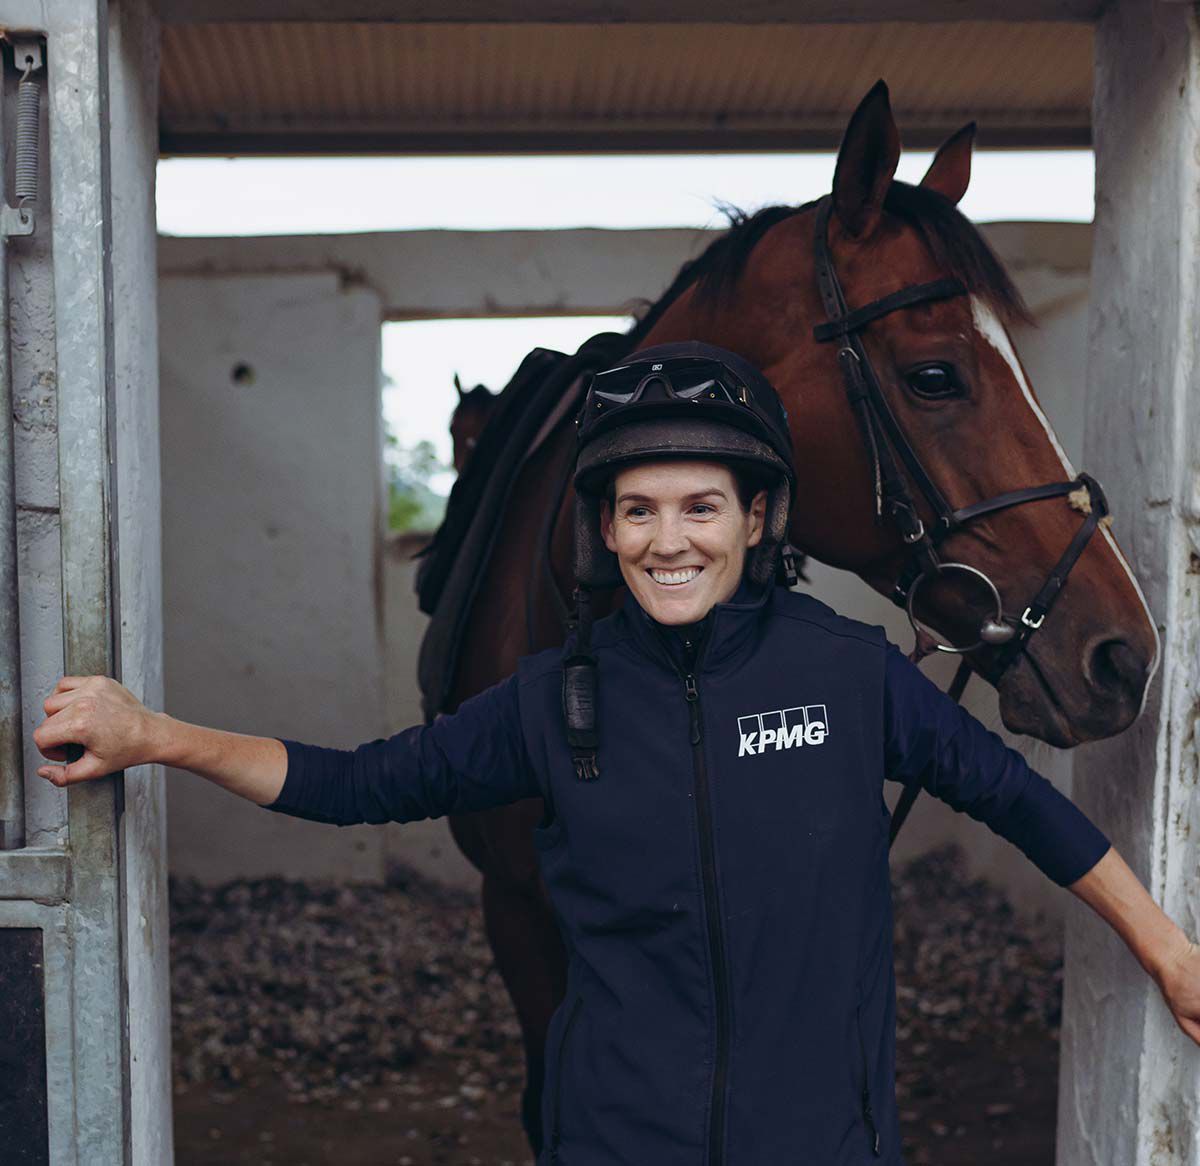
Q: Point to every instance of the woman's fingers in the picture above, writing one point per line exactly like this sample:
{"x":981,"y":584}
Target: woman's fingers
{"x":1180,"y":985}
{"x":66,"y":683}
{"x":68,"y":689}
{"x":58,"y":699}
{"x":1190,"y":1027}
{"x":66,"y":735}
{"x":95,"y":725}
{"x":57,"y":730}
{"x":83,"y":770}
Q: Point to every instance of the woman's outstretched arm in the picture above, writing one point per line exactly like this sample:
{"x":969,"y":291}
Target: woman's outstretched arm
{"x":931,"y":739}
{"x":1116,"y":894}
{"x":118,"y":732}
{"x":469,"y":760}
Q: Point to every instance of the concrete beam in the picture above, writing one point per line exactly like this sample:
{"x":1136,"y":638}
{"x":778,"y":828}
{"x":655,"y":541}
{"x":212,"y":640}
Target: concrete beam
{"x":1129,"y":1078}
{"x":468,"y":274}
{"x":624,"y":11}
{"x":452,"y":274}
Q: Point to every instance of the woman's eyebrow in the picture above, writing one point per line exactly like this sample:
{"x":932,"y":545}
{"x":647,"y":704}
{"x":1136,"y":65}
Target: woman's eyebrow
{"x":716,"y":490}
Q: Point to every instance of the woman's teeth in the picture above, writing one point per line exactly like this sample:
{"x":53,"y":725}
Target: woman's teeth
{"x":673,"y":578}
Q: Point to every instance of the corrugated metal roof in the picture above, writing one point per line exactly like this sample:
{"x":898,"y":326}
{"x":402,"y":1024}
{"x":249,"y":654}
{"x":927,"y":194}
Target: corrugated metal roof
{"x":355,"y":87}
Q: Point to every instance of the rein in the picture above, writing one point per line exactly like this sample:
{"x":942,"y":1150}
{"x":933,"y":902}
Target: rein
{"x":888,"y":447}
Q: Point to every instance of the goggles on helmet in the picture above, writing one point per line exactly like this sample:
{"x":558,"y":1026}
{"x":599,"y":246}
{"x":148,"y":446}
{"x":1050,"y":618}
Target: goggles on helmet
{"x":658,"y":388}
{"x":691,"y":380}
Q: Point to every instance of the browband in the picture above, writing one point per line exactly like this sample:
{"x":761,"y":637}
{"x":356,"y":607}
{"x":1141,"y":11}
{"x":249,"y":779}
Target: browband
{"x":937,"y":289}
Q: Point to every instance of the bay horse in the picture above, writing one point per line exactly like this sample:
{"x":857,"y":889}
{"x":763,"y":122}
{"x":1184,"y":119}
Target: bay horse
{"x":949,"y":372}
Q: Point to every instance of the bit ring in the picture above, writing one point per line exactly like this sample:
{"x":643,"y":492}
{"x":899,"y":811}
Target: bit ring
{"x":919,"y":627}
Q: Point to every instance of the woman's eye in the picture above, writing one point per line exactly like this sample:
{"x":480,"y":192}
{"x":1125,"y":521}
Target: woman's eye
{"x":934,"y":381}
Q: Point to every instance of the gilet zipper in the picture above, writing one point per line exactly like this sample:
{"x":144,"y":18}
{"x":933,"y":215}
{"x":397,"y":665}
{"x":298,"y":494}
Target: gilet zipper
{"x":868,"y":1116}
{"x":716,"y":935}
{"x":556,"y":1133}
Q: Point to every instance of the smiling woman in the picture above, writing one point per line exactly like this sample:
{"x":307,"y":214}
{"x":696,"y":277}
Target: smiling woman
{"x":680,"y":531}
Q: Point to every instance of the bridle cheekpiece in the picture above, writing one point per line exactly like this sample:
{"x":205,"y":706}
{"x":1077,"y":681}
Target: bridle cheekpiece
{"x":888,"y":447}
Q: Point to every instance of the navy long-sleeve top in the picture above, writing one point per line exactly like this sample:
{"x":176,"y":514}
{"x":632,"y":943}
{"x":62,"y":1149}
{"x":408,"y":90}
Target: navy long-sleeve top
{"x":722,"y":886}
{"x":476,"y":758}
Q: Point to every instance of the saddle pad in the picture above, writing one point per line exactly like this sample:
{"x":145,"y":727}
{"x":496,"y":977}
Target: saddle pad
{"x":455,"y":561}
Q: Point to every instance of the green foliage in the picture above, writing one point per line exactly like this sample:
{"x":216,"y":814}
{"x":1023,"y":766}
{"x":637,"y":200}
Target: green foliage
{"x":412,"y":503}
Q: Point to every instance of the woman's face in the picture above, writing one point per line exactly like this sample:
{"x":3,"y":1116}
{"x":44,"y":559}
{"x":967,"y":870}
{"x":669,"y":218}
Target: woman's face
{"x":680,"y":535}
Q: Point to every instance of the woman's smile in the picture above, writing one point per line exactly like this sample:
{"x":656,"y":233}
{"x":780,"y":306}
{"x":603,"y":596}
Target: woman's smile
{"x":677,"y":577}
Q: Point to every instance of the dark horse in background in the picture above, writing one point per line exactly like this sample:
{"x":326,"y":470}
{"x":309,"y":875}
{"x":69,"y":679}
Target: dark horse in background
{"x":468,"y":419}
{"x":754,"y":291}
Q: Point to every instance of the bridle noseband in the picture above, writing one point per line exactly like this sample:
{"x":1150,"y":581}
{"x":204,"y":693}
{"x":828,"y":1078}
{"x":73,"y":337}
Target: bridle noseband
{"x":894,"y":500}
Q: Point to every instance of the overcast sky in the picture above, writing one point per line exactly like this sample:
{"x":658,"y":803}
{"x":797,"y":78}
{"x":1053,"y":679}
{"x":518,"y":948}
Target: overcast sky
{"x":288,"y":196}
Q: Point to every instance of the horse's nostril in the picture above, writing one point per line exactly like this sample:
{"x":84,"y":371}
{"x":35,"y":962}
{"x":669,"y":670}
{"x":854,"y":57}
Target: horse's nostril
{"x":1116,"y":668}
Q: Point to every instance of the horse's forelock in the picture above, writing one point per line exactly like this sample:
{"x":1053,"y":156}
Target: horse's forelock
{"x":958,"y":248}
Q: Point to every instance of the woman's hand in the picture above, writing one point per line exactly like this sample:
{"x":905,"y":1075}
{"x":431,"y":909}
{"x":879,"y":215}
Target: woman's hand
{"x":1179,"y":981}
{"x":115,"y":729}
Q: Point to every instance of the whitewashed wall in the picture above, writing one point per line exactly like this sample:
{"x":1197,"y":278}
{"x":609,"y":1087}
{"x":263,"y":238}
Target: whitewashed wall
{"x":272,"y":487}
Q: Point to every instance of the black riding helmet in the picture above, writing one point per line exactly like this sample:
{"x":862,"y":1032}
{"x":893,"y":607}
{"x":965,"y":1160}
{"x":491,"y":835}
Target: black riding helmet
{"x":683,"y":400}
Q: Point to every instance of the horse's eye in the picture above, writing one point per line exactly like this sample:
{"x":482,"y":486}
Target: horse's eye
{"x":934,"y":381}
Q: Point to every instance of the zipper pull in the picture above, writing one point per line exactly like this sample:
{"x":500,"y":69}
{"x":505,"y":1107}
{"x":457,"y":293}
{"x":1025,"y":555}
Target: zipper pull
{"x":693,"y":699}
{"x":870,"y":1117}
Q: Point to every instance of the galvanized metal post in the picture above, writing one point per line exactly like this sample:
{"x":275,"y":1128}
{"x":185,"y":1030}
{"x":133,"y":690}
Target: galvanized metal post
{"x":82,"y":904}
{"x":81,"y":199}
{"x":18,"y":221}
{"x":12,"y":776}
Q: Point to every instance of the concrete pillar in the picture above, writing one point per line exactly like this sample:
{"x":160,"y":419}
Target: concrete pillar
{"x":1130,"y":1080}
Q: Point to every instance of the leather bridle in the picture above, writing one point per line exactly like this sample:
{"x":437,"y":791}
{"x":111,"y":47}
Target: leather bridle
{"x":888,"y":447}
{"x":885,"y":440}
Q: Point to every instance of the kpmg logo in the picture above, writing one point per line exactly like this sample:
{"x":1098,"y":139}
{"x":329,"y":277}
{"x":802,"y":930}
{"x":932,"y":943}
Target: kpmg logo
{"x":783,"y":729}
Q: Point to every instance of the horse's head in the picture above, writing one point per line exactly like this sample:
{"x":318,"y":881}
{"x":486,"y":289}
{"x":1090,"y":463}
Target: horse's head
{"x":945,"y":367}
{"x":468,"y":419}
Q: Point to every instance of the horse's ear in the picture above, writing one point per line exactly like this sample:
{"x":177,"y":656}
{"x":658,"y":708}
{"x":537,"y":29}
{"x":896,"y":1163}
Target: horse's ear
{"x":950,"y":171}
{"x":866,"y":162}
{"x":458,"y":386}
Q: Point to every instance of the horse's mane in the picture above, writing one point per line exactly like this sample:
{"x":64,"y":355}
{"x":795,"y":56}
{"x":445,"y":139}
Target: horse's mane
{"x":953,"y":240}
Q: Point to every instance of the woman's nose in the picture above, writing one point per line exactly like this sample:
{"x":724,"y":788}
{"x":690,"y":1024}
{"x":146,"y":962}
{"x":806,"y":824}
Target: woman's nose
{"x":669,"y":537}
